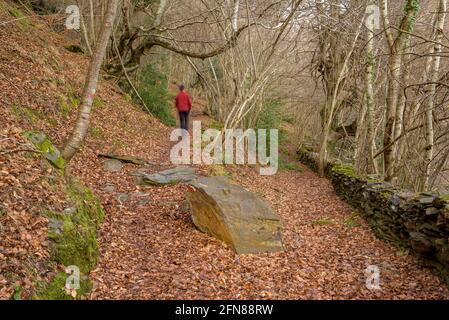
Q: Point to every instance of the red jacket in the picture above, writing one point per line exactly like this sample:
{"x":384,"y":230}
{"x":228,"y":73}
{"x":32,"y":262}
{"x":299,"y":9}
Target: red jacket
{"x":183,"y":102}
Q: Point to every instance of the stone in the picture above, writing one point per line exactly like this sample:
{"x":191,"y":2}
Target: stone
{"x":432,"y":211}
{"x":235,"y":216}
{"x":169,"y":177}
{"x":50,"y":152}
{"x":109,"y":188}
{"x":420,"y":243}
{"x":446,"y":211}
{"x":143,"y":201}
{"x":426,"y":200}
{"x":415,"y":221}
{"x":55,"y":226}
{"x":126,"y":159}
{"x":142,"y":198}
{"x":113,"y":165}
{"x":70,"y":210}
{"x":122,"y":197}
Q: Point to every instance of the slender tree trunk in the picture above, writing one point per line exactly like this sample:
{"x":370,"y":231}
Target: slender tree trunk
{"x":391,"y":104}
{"x":395,"y":69}
{"x":235,"y":15}
{"x":368,"y":110}
{"x":84,"y":28}
{"x":82,"y":124}
{"x":399,"y":126}
{"x":433,"y":78}
{"x":93,"y":34}
{"x":332,"y":104}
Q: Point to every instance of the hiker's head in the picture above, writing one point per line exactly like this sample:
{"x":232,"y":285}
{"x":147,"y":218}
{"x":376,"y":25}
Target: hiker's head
{"x":181,"y":87}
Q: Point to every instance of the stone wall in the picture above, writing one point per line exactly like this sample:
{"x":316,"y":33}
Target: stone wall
{"x":418,"y":222}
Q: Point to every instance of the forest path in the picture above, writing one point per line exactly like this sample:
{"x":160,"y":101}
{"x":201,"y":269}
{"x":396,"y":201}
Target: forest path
{"x":152,"y":250}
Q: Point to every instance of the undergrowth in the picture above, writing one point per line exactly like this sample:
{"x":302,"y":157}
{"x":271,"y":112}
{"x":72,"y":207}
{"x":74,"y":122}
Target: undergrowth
{"x":75,"y":243}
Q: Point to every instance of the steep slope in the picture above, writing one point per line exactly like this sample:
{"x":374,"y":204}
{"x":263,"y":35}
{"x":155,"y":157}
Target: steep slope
{"x":40,"y":86}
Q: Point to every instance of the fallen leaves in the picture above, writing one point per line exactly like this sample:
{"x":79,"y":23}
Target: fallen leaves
{"x":152,"y":250}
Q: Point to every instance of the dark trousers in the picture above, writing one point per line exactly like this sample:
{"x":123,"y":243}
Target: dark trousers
{"x":184,"y":119}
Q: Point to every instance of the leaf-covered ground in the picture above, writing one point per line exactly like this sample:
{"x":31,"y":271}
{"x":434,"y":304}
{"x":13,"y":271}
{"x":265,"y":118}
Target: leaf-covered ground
{"x":155,"y":252}
{"x":149,"y":247}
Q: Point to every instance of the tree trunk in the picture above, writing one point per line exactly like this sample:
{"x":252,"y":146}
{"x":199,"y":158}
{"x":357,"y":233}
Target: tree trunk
{"x":368,"y":109}
{"x":395,"y":69}
{"x":82,"y":124}
{"x":433,"y":78}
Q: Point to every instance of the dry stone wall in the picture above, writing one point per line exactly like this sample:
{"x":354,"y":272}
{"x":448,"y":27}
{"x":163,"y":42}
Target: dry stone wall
{"x":418,"y":222}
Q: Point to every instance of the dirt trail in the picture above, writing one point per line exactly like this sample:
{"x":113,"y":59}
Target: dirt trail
{"x":153,"y":251}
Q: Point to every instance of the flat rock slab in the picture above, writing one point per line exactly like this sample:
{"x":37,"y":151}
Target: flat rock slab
{"x":234,"y":215}
{"x":113,"y":165}
{"x":169,"y":177}
{"x":127,"y":159}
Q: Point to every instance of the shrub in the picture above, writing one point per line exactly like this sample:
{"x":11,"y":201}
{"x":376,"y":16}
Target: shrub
{"x":152,"y":87}
{"x":271,"y":117}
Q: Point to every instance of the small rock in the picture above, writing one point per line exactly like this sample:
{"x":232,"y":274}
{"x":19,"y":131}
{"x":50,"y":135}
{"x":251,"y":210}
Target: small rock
{"x":113,"y":165}
{"x":426,"y":200}
{"x":143,"y":202}
{"x":143,"y":198}
{"x":171,"y":176}
{"x":70,"y":210}
{"x":420,"y":243}
{"x":123,"y":197}
{"x":109,"y":188}
{"x":55,"y":225}
{"x":432,"y":211}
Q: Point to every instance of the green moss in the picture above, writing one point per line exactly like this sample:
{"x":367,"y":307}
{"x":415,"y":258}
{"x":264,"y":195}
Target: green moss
{"x":352,"y":222}
{"x":305,"y":149}
{"x":217,"y":171}
{"x":98,"y":103}
{"x":55,"y":290}
{"x":43,"y":144}
{"x":75,"y":244}
{"x":127,"y":97}
{"x":67,"y":104}
{"x":345,"y":169}
{"x":412,"y":6}
{"x":23,"y":21}
{"x":215,"y":125}
{"x":17,"y":294}
{"x":97,"y":133}
{"x":323,"y":222}
{"x":74,"y":48}
{"x":289,"y":166}
{"x":25,"y":113}
{"x":445,"y":197}
{"x":385,"y":195}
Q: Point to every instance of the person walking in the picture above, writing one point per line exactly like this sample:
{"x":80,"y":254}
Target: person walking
{"x":184,"y":105}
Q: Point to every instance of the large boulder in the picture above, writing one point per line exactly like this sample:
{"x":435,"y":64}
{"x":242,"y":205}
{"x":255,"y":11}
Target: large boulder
{"x":113,"y":165}
{"x":234,"y":215}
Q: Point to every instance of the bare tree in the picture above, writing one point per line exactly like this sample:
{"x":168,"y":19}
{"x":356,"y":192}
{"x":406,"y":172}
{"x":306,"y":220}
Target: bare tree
{"x":434,"y":63}
{"x":82,"y":124}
